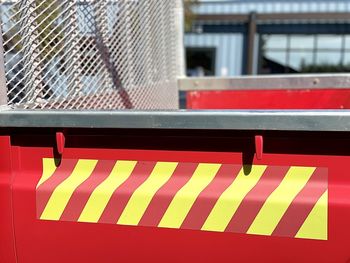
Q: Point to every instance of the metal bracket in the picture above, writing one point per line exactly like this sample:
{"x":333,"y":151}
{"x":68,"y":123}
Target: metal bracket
{"x":60,"y":142}
{"x":259,"y":146}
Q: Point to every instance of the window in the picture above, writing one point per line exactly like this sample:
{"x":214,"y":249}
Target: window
{"x":290,"y":53}
{"x":200,"y":61}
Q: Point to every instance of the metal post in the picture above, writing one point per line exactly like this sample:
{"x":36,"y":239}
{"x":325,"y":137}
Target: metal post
{"x":74,"y":28}
{"x":251,"y":43}
{"x":3,"y":88}
{"x":33,"y":66}
{"x":181,"y":28}
{"x":102,"y":42}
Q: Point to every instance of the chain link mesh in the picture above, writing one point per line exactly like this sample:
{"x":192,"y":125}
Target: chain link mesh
{"x":97,"y":54}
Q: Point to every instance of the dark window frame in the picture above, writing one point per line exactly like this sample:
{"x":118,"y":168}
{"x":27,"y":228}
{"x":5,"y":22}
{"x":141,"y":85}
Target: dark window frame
{"x":211,"y":50}
{"x":315,"y":50}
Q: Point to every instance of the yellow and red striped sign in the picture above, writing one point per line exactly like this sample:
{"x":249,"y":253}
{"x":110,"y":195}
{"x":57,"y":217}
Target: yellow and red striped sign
{"x":260,"y":199}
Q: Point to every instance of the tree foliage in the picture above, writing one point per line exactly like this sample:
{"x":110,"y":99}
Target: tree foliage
{"x":324,"y":68}
{"x":189,"y":15}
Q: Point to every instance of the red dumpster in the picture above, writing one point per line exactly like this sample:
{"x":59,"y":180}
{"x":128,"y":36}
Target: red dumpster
{"x":174,"y":186}
{"x":328,"y":91}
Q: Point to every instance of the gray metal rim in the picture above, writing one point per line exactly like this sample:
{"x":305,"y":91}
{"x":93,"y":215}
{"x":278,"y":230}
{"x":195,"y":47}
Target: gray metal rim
{"x":331,"y":120}
{"x":268,"y":82}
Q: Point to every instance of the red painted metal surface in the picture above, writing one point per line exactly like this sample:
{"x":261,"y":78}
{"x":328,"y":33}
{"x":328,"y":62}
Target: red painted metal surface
{"x":56,"y":241}
{"x":259,"y":146}
{"x":60,"y":141}
{"x":7,"y":244}
{"x":270,"y":99}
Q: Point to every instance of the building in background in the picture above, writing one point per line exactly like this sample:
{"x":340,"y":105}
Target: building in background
{"x":230,"y":38}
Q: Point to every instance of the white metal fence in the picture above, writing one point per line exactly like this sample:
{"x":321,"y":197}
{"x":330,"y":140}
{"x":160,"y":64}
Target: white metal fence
{"x":92,"y":54}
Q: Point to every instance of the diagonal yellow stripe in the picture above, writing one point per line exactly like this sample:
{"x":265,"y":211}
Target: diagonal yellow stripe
{"x":63,"y":192}
{"x":231,"y":198}
{"x":102,"y":194}
{"x":187,"y":195}
{"x":49,"y":167}
{"x":316,"y":224}
{"x":280,"y":199}
{"x":143,"y":195}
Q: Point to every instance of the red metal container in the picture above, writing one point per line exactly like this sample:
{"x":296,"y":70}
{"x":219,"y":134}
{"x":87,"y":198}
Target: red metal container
{"x":288,"y":92}
{"x":269,"y":99}
{"x":268,"y":181}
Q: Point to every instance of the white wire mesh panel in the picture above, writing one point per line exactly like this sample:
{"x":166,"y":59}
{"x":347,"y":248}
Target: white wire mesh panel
{"x":92,"y":54}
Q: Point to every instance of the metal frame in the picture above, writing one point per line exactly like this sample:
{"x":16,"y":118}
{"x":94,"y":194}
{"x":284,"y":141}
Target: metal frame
{"x":252,"y":30}
{"x":3,"y":88}
{"x":268,"y":17}
{"x":256,"y":1}
{"x":253,"y":22}
{"x":181,"y":120}
{"x":267,"y":82}
{"x":314,"y":49}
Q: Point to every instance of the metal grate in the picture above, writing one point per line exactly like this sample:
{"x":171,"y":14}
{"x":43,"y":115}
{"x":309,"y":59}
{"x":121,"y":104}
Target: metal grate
{"x":92,"y":54}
